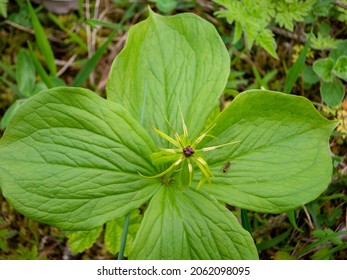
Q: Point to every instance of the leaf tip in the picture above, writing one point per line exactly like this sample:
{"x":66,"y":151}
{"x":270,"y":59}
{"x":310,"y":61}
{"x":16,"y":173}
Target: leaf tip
{"x":151,"y":13}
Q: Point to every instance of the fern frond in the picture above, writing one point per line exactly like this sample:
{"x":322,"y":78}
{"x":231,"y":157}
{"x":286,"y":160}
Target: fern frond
{"x":3,"y":8}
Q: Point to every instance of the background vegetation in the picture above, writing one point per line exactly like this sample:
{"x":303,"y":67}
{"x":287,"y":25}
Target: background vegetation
{"x":294,"y":46}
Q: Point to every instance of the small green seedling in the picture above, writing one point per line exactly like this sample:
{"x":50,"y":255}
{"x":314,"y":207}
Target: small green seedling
{"x":331,"y":71}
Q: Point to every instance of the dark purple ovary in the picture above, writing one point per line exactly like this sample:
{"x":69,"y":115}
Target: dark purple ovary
{"x":188,"y":151}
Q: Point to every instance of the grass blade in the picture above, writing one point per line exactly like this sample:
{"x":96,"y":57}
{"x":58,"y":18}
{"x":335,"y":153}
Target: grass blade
{"x":8,"y":70}
{"x":319,"y":242}
{"x":245,"y":220}
{"x":91,"y":63}
{"x":291,"y":217}
{"x":296,"y":69}
{"x":12,"y":86}
{"x":274,"y":241}
{"x":94,"y":23}
{"x":42,"y":41}
{"x":25,"y":73}
{"x":124,"y":237}
{"x":42,"y":73}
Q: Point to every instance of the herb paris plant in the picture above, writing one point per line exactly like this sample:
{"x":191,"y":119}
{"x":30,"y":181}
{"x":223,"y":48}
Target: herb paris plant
{"x":183,"y":156}
{"x":74,"y":160}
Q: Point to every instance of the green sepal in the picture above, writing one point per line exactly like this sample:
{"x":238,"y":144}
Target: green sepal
{"x":185,"y":174}
{"x":163,"y":157}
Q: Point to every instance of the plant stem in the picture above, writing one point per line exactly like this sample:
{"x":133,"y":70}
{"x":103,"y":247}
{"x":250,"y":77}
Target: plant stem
{"x":245,"y":221}
{"x":127,"y":217}
{"x":124,"y":237}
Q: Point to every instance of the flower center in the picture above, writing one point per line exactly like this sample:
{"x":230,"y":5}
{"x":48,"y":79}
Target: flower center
{"x":188,"y":151}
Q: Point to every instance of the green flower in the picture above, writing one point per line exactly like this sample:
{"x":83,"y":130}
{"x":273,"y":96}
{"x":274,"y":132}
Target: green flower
{"x":185,"y":153}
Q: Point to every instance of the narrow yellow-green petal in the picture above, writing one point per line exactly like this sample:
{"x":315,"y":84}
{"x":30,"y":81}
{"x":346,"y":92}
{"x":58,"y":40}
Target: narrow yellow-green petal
{"x":167,"y":137}
{"x":218,"y":146}
{"x":171,"y":151}
{"x":163,"y":157}
{"x":202,"y":136}
{"x":190,"y":169}
{"x":185,"y":174}
{"x":203,"y":166}
{"x":177,"y":137}
{"x":201,"y":182}
{"x":177,"y":162}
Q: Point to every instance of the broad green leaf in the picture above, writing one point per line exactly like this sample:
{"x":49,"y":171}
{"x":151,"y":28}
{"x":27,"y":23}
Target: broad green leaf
{"x":39,"y":87}
{"x":42,"y":41}
{"x":340,"y":68}
{"x":309,"y":76}
{"x":25,"y":73}
{"x":190,"y":225}
{"x":114,"y":230}
{"x":167,"y":62}
{"x":72,"y":159}
{"x":82,"y":240}
{"x":323,"y":68}
{"x":10,"y":112}
{"x":283,"y":159}
{"x":57,"y":82}
{"x":165,"y":6}
{"x":339,"y":50}
{"x":332,"y":92}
